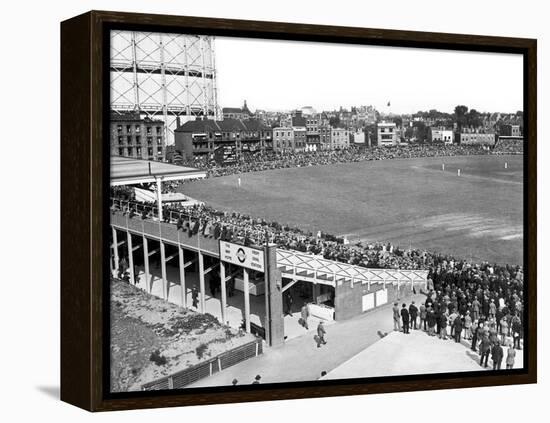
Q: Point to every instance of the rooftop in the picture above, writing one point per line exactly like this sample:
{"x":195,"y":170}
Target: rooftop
{"x":126,"y":171}
{"x":226,"y":125}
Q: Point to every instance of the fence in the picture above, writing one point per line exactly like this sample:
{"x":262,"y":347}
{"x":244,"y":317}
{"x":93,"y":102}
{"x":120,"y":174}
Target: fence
{"x":206,"y":368}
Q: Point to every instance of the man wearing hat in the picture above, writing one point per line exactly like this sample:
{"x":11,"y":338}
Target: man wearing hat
{"x":497,"y":353}
{"x":467,"y":326}
{"x":405,"y":316}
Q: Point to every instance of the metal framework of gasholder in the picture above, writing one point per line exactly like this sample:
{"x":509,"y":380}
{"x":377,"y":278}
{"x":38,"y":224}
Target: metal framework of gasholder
{"x":163,"y":76}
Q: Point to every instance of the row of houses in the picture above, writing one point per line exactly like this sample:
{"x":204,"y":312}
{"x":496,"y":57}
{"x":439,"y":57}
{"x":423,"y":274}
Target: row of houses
{"x":301,"y":130}
{"x":205,"y":136}
{"x":389,"y":134}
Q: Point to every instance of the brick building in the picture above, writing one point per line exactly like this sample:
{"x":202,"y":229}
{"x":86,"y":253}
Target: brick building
{"x":476,"y":137}
{"x":241,"y":113}
{"x":136,"y":137}
{"x":203,"y":137}
{"x":339,"y":138}
{"x":312,"y":132}
{"x":510,"y":131}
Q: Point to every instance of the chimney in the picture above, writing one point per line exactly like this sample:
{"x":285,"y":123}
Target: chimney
{"x":178,"y":122}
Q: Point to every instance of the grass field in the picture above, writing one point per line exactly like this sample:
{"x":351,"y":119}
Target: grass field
{"x":478,"y":215}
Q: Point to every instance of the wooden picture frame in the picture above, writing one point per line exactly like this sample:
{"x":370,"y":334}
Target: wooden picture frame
{"x":85,"y":214}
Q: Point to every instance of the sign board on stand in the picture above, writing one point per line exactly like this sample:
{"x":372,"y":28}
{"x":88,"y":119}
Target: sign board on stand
{"x":251,"y":258}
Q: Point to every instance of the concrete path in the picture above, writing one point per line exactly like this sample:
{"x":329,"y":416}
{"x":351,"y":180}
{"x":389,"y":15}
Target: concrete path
{"x":416,"y":353}
{"x":299,"y":359}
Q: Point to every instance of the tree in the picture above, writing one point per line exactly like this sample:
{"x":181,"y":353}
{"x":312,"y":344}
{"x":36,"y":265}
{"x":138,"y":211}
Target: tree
{"x":334,"y":121}
{"x":461,"y":116}
{"x":421,"y":132}
{"x":473,"y":118}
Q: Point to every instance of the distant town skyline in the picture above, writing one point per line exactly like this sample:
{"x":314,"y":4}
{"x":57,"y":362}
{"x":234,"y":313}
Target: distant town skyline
{"x":277,"y":75}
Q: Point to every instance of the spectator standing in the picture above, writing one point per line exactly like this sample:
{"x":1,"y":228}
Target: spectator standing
{"x":484,"y":350}
{"x":510,"y":357}
{"x":467,"y":326}
{"x":457,"y":323}
{"x":497,"y":354}
{"x":405,"y":317}
{"x":423,"y":316}
{"x":321,"y":332}
{"x":305,"y":314}
{"x":443,"y":326}
{"x":475,"y":308}
{"x":413,"y":313}
{"x":431,"y":319}
{"x":396,"y":318}
{"x":195,"y":297}
{"x":493,"y":334}
{"x":492,"y":310}
{"x":503,"y":330}
{"x":516,"y":331}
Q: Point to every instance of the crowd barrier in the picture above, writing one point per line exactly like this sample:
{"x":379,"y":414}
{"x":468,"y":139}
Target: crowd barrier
{"x":206,"y":368}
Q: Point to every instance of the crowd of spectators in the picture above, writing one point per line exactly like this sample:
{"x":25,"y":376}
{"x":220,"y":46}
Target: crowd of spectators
{"x":508,"y":146}
{"x":481,"y":304}
{"x":252,"y":162}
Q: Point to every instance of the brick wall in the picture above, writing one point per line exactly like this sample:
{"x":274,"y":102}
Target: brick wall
{"x":348,"y":301}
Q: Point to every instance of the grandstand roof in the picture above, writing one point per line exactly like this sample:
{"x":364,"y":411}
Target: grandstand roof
{"x":126,"y":171}
{"x":226,"y":125}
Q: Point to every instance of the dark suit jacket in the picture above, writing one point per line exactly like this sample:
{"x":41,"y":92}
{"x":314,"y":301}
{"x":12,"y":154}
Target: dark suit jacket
{"x":497,"y":353}
{"x":405,"y":314}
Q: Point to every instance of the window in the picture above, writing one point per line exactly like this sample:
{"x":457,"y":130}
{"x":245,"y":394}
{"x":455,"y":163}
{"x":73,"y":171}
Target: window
{"x":119,"y":129}
{"x":138,"y":151}
{"x":159,"y":130}
{"x":129,"y":139}
{"x":138,"y":139}
{"x":121,"y":151}
{"x":149,"y":141}
{"x":149,"y":130}
{"x":138,"y":129}
{"x":128,"y":129}
{"x":120,"y":140}
{"x":150,"y":152}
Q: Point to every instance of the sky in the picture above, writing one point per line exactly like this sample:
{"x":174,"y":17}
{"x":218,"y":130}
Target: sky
{"x":285,"y":75}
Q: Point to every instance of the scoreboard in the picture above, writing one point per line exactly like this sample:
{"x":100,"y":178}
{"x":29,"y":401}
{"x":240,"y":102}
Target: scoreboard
{"x":226,"y":154}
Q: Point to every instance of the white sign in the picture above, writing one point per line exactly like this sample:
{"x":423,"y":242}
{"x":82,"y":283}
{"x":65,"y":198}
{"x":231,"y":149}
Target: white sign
{"x":251,"y":258}
{"x":368,"y":301}
{"x":381,"y":297}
